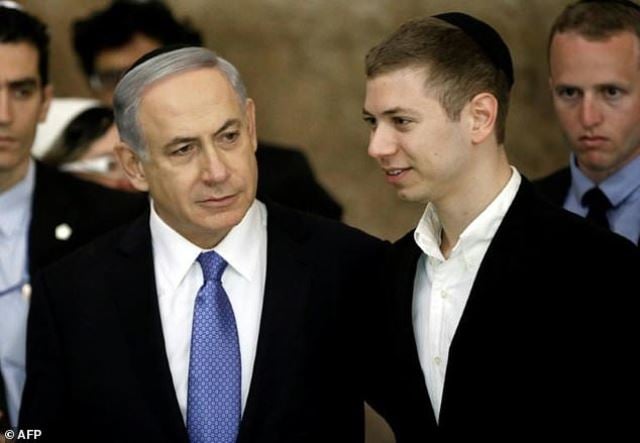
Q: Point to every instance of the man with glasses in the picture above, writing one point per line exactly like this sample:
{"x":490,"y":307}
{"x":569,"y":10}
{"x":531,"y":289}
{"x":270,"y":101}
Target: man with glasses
{"x":110,"y":40}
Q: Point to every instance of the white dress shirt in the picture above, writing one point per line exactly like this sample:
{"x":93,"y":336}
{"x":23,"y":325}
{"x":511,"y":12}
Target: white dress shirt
{"x":179,"y":277}
{"x":15,"y":217}
{"x":442,"y":286}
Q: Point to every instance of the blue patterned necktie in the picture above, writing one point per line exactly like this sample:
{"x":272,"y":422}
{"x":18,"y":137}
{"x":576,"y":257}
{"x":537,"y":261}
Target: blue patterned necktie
{"x":213,"y":405}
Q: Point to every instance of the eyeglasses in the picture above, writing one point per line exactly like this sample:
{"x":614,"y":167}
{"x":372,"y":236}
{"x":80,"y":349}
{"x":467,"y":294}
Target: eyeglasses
{"x":105,"y":164}
{"x":108,"y":79}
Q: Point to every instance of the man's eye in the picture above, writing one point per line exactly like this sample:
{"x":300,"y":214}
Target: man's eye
{"x":401,"y":121}
{"x":183,"y":150}
{"x":22,"y":93}
{"x":612,"y":92}
{"x":230,"y":137}
{"x":370,"y":121}
{"x":567,"y":93}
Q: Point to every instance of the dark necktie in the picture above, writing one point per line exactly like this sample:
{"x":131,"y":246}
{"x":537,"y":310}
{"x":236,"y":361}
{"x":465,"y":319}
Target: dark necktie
{"x":213,"y":404}
{"x":598,"y":205}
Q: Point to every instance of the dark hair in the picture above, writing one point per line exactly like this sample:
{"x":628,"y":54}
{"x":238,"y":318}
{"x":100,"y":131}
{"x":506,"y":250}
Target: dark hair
{"x":456,"y":66}
{"x":597,"y":20}
{"x":117,"y":24}
{"x":79,"y":134}
{"x":17,"y":26}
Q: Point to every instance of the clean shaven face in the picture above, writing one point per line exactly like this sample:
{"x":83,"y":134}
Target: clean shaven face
{"x":23,"y":104}
{"x":421,"y":151}
{"x":201,"y":168}
{"x":596,"y":95}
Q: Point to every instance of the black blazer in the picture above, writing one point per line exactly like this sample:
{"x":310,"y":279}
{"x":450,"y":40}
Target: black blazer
{"x":96,"y":363}
{"x":555,"y":187}
{"x":285,"y":177}
{"x":552,"y":296}
{"x":86,"y":208}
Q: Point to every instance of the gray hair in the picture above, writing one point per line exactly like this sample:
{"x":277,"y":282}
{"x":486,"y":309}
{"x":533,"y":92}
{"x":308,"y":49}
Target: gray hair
{"x":132,"y":86}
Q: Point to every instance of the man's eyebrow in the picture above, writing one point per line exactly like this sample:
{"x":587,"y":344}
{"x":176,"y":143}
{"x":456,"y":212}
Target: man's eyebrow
{"x":398,"y":110}
{"x":29,"y":82}
{"x":178,"y":140}
{"x":227,"y":124}
{"x":392,"y":111}
{"x":187,"y":139}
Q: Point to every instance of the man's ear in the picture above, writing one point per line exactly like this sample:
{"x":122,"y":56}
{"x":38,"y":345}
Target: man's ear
{"x":251,"y":122}
{"x":47,"y":96}
{"x":132,"y":165}
{"x":483,"y":111}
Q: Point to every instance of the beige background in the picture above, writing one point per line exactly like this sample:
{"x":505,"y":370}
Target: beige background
{"x":303,"y":64}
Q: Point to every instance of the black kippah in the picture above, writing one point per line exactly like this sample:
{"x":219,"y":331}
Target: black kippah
{"x":156,"y":52}
{"x":627,"y":3}
{"x":486,"y":37}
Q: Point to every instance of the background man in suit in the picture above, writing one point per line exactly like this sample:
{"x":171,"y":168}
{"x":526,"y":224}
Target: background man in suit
{"x":43,"y":214}
{"x":125,"y":344}
{"x":111,"y":39}
{"x":489,"y":335}
{"x":594,"y":74}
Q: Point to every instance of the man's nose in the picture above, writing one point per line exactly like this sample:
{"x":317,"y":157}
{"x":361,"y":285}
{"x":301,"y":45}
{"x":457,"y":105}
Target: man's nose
{"x":590,"y":112}
{"x":6,"y":114}
{"x":382,"y":143}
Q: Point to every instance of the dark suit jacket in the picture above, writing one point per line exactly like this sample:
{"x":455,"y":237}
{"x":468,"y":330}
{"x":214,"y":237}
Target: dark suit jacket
{"x":285,"y":177}
{"x":555,"y":187}
{"x":543,"y":347}
{"x":96,"y":364}
{"x":86,"y":208}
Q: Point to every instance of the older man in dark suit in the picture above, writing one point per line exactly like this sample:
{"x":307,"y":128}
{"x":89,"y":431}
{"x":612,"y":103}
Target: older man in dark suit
{"x":44,"y":214}
{"x":500,"y":303}
{"x":216,"y":317}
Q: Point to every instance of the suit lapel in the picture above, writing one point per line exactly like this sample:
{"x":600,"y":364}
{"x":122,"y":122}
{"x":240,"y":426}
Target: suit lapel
{"x":406,"y":258}
{"x":132,"y":281}
{"x":285,"y":300}
{"x":411,"y":378}
{"x":498,"y":273}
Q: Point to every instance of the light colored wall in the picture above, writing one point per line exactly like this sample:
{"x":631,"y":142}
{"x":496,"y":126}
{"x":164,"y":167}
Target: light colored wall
{"x":303,"y":63}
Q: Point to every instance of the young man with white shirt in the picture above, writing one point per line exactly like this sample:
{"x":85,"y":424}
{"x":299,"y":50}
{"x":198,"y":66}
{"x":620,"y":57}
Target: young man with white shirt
{"x":216,"y":313}
{"x":490,"y":335}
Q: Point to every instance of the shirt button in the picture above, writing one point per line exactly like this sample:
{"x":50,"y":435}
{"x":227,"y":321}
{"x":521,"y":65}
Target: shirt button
{"x":444,"y":294}
{"x":437,"y":361}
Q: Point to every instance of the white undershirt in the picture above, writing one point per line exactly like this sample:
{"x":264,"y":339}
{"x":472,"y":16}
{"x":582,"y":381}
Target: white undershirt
{"x":179,"y":277}
{"x":442,"y":286}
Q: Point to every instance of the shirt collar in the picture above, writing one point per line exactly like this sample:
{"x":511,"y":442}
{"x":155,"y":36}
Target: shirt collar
{"x":15,"y":204}
{"x":616,"y":187}
{"x":481,"y":230}
{"x":237,"y":248}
